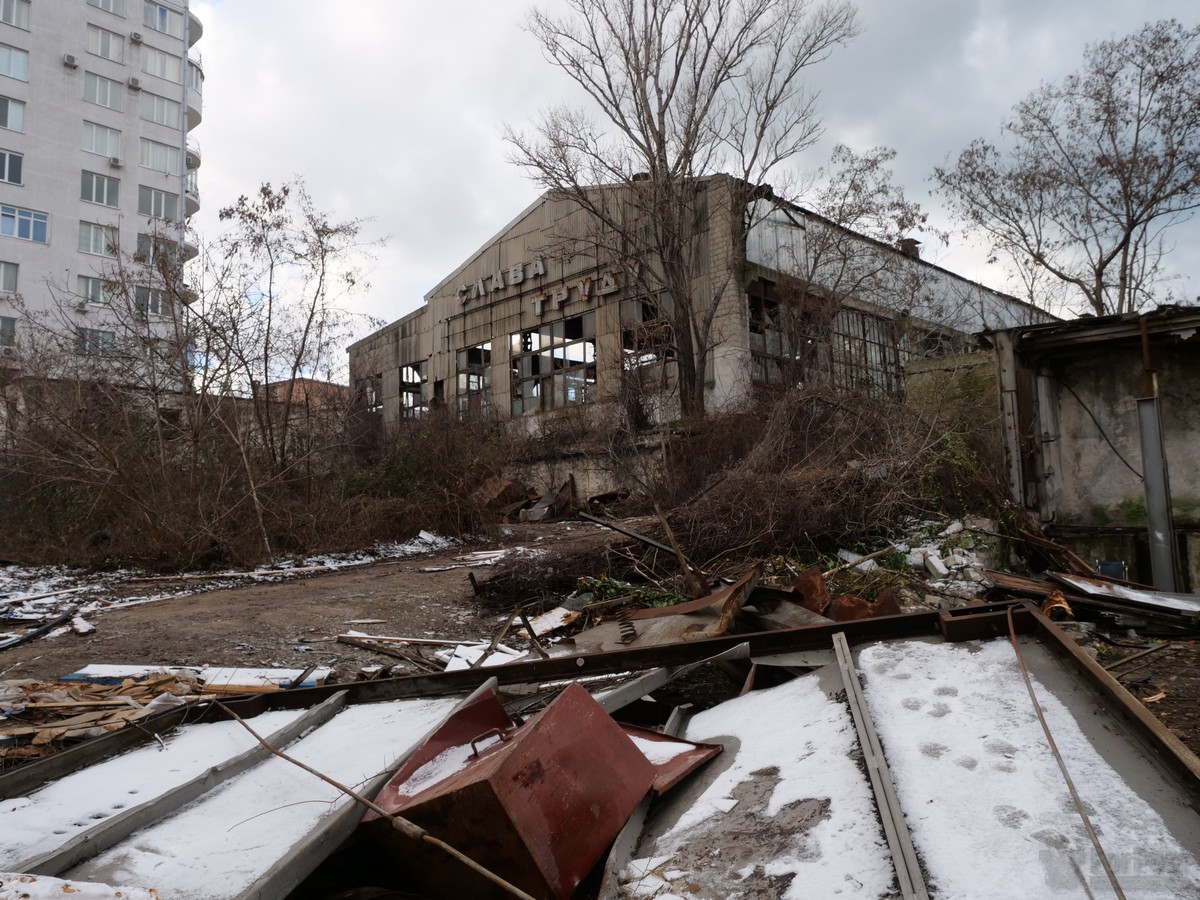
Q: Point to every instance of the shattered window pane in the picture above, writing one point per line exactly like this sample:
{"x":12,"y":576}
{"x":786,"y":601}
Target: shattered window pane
{"x":474,"y":381}
{"x":554,"y":365}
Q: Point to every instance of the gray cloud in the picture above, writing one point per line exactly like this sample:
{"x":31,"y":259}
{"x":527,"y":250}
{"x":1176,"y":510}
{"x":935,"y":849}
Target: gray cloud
{"x":392,"y":111}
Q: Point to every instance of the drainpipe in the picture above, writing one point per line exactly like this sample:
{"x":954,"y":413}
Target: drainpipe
{"x":1155,"y":480}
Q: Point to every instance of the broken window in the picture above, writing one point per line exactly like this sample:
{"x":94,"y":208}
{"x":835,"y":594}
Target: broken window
{"x":554,"y":365}
{"x":369,"y":393}
{"x":646,"y":336}
{"x":412,"y":391}
{"x":787,"y":327}
{"x":474,"y":375}
{"x":865,"y":354}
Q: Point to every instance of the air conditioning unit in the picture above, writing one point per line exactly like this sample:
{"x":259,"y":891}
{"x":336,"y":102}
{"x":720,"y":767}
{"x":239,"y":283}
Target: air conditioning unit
{"x":115,"y":162}
{"x":82,"y":304}
{"x":69,"y":61}
{"x":135,"y":37}
{"x":135,"y":84}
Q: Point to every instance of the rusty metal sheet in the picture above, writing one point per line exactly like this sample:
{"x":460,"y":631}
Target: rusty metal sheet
{"x":677,"y":757}
{"x":537,"y":804}
{"x":848,"y":607}
{"x":1158,"y":601}
{"x":814,"y":592}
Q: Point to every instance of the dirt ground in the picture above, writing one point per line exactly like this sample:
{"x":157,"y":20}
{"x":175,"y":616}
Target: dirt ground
{"x":293,"y":623}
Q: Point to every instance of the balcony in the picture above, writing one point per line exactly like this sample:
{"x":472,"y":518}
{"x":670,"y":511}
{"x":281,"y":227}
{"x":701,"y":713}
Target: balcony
{"x":193,"y":154}
{"x":190,"y":251}
{"x":195,"y":91}
{"x":191,"y":195}
{"x":195,"y":29}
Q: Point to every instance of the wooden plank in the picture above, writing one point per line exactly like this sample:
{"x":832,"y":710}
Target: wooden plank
{"x":904,"y":855}
{"x":116,"y":828}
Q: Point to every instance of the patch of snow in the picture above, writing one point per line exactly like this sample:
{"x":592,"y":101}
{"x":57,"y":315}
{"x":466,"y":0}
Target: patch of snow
{"x":218,"y":846}
{"x":851,"y":557}
{"x":984,"y":798}
{"x":449,"y":762}
{"x":464,"y":655}
{"x":660,"y":752}
{"x":809,"y":740}
{"x":63,"y":808}
{"x":42,"y":887}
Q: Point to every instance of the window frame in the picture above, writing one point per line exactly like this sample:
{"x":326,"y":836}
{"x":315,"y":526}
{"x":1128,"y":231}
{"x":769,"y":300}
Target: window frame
{"x":164,"y":70}
{"x":95,"y":290}
{"x":153,"y":249}
{"x":151,"y":197}
{"x":18,"y":215}
{"x":8,"y":105}
{"x":151,"y":301}
{"x":473,"y":379}
{"x":110,"y":189}
{"x":6,"y":159}
{"x":7,"y":268}
{"x":113,"y":91}
{"x":116,"y":7}
{"x":167,"y":103}
{"x":14,"y":58}
{"x":153,"y":12}
{"x":109,"y":132}
{"x":109,"y":235}
{"x":12,"y":11}
{"x":107,"y":44}
{"x":553,"y":364}
{"x":146,"y":150}
{"x":94,"y":341}
{"x":8,"y":331}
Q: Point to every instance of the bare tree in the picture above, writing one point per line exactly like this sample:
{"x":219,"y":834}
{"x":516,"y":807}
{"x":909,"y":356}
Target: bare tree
{"x":682,"y":89}
{"x":203,"y":419}
{"x":851,"y":264}
{"x":1092,"y":172}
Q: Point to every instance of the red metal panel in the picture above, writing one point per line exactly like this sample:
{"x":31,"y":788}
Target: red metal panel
{"x":539,"y":807}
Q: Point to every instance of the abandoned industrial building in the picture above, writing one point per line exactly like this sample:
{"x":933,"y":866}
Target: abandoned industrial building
{"x":551,"y":313}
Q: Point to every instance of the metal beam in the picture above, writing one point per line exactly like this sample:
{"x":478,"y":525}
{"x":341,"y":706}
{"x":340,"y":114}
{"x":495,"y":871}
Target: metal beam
{"x":1157,"y":485}
{"x":895,"y":829}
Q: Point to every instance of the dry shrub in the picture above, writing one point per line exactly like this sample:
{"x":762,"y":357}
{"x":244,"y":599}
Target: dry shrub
{"x":827,"y":469}
{"x":527,"y":578}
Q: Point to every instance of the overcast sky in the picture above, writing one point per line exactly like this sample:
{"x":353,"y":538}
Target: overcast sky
{"x":391,"y":110}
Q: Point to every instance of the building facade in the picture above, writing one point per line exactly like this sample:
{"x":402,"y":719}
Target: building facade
{"x":543,"y":317}
{"x":97,"y":175}
{"x":1101,"y":420}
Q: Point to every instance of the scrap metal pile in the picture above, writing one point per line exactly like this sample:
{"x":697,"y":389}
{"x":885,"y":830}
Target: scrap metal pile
{"x":777,"y":729}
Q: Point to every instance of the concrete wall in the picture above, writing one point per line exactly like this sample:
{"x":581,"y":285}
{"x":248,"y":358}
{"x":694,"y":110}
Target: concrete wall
{"x":1091,"y":442}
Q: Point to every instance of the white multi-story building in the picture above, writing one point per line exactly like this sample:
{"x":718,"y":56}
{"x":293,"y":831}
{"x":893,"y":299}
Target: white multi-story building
{"x":97,"y":98}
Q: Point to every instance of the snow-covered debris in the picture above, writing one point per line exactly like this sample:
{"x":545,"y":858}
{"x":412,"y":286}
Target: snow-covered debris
{"x":982,"y":794}
{"x":14,"y":886}
{"x":851,"y":557}
{"x":464,"y":655}
{"x":935,"y":566}
{"x":792,"y":793}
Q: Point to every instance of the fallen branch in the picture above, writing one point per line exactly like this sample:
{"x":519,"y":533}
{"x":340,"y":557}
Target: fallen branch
{"x":858,"y":562}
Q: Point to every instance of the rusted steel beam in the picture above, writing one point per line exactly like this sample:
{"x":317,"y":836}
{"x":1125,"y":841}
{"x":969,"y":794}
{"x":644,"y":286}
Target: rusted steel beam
{"x":631,"y":660}
{"x":1164,"y":747}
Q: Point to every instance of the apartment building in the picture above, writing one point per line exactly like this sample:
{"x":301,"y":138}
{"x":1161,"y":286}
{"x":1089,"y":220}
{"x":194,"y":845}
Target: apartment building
{"x":97,"y":174}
